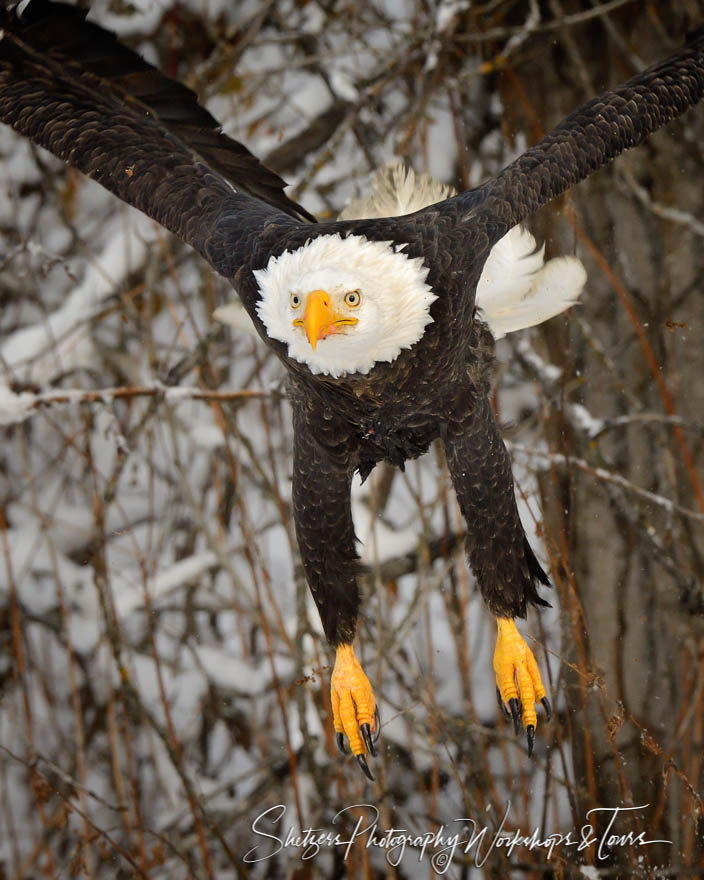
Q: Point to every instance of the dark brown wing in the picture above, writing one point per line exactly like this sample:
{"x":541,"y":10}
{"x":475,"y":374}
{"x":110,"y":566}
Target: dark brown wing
{"x":71,"y":87}
{"x":586,"y":140}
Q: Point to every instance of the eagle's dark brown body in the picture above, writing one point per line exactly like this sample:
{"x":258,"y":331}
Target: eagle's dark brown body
{"x":73,"y":89}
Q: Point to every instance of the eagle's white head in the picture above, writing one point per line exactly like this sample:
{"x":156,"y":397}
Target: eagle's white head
{"x":342,"y":305}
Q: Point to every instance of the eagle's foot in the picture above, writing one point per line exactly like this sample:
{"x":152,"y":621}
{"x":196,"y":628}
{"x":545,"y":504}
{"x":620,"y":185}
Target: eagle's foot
{"x":354,"y":710}
{"x":518,"y":682}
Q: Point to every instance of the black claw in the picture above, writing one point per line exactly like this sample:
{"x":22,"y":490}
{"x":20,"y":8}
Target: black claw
{"x":530,"y":733}
{"x":368,"y":741}
{"x":377,"y":726}
{"x":515,"y":708}
{"x":502,"y":705}
{"x":362,"y":761}
{"x":547,"y":707}
{"x":340,"y":740}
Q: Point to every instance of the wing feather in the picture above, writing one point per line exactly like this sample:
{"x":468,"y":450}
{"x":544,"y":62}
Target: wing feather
{"x":586,"y":140}
{"x":70,"y":86}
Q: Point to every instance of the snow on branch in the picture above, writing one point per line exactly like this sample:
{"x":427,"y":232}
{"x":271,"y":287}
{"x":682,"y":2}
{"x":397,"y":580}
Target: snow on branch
{"x":16,"y":407}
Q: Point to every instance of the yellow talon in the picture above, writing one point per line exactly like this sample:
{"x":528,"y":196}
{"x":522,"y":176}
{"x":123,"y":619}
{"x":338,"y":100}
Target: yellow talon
{"x":518,"y":678}
{"x":353,"y":703}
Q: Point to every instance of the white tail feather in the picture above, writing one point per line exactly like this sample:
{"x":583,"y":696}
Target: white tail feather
{"x":516,"y":290}
{"x":235,"y":315}
{"x":397,"y":190}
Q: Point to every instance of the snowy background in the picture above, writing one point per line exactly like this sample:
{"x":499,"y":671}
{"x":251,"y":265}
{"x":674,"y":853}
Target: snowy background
{"x":163,"y":675}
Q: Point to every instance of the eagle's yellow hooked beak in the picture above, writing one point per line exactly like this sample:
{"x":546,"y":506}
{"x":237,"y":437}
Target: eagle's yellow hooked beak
{"x":319,"y":318}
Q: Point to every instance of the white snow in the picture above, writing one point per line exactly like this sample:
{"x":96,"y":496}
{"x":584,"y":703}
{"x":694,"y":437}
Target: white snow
{"x":168,"y":580}
{"x":447,"y":10}
{"x":61,"y":343}
{"x":14,"y":407}
{"x":228,"y":671}
{"x":343,"y":85}
{"x":585,"y":420}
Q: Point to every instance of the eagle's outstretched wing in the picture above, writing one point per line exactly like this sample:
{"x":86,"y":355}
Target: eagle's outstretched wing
{"x":586,"y":140}
{"x":71,"y":87}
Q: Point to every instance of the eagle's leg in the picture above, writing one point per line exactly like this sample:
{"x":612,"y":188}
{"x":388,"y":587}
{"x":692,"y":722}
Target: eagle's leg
{"x":506,"y":569}
{"x":322,"y":479}
{"x":518,"y":682}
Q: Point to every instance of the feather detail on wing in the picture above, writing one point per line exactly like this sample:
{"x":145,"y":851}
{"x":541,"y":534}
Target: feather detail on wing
{"x":71,"y":87}
{"x":587,"y":139}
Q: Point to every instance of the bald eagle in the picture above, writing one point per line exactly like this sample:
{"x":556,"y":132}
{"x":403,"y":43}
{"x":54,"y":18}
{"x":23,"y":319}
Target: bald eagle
{"x":376,"y":320}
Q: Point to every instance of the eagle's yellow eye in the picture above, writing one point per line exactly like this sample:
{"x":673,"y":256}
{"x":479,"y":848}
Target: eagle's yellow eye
{"x":295,"y":300}
{"x":353,"y":299}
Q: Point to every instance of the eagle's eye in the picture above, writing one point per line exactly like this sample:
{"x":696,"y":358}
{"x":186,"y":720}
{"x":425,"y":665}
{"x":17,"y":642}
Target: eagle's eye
{"x":353,"y":299}
{"x":295,"y":300}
